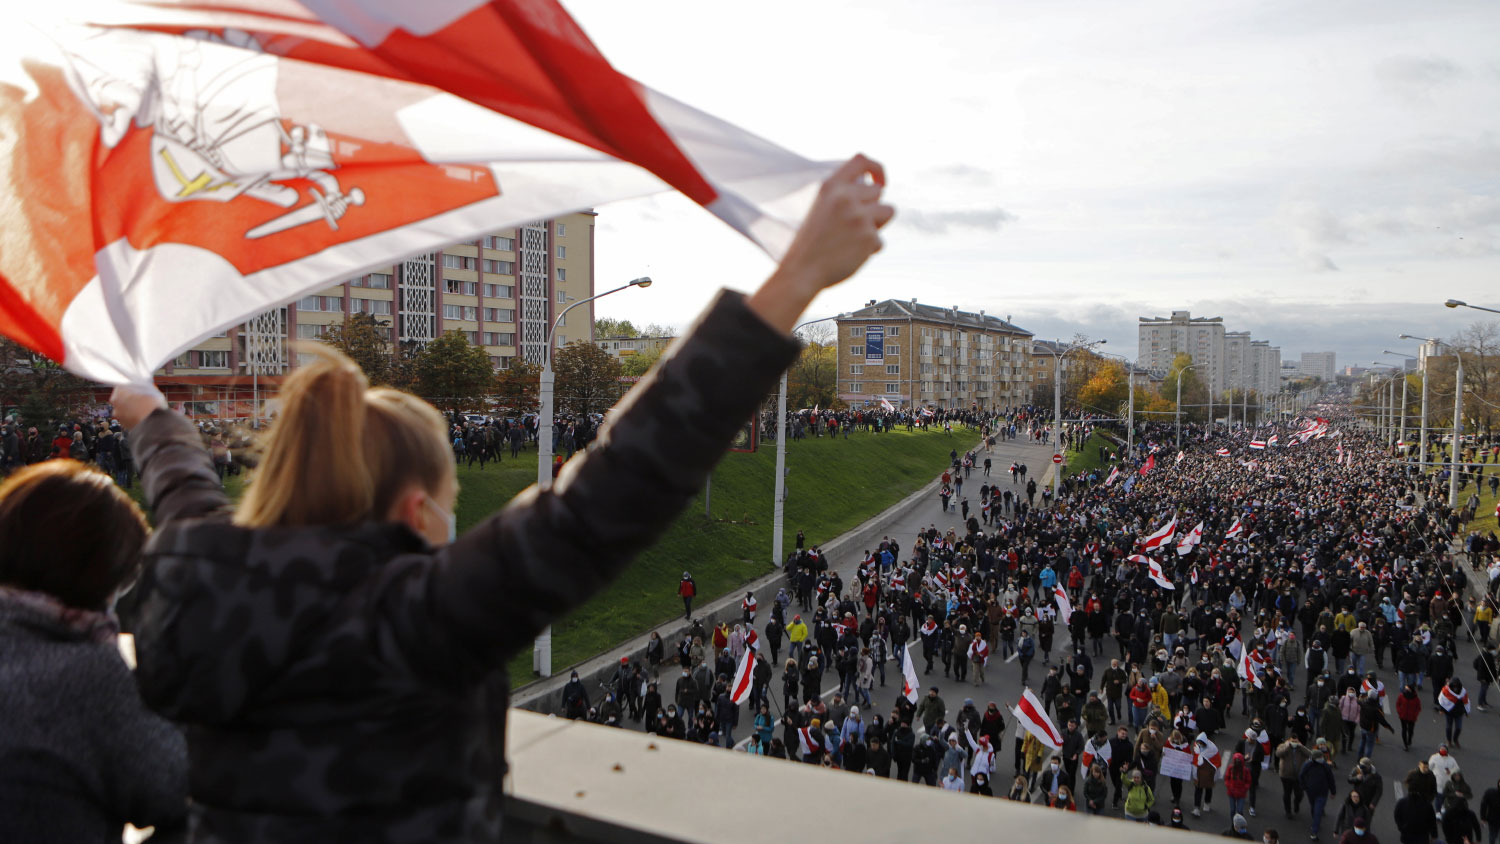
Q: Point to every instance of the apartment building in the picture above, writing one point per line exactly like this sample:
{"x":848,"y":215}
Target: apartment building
{"x":1322,"y":365}
{"x":621,"y":348}
{"x":502,"y":290}
{"x":913,"y":354}
{"x":1161,"y":339}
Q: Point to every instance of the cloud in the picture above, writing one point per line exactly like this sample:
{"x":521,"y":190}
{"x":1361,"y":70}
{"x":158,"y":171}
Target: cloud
{"x":1415,"y":78}
{"x":942,"y":222}
{"x":965,"y":173}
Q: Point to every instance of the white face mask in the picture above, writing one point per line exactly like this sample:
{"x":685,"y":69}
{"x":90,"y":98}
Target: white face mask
{"x":449,"y":517}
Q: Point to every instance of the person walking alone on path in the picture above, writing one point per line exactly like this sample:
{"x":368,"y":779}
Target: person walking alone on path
{"x":687,"y":590}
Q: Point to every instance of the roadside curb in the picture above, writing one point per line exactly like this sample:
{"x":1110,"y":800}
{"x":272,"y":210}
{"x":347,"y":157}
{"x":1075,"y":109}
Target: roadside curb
{"x":545,"y":695}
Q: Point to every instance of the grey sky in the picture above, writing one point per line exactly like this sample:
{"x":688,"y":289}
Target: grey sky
{"x":1322,"y":174}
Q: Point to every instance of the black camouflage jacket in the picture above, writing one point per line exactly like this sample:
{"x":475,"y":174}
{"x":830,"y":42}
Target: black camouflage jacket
{"x":346,"y":684}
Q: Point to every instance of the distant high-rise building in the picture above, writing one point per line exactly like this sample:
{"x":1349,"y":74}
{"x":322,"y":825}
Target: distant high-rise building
{"x":1319,"y":365}
{"x":1237,"y":363}
{"x":1161,"y":339}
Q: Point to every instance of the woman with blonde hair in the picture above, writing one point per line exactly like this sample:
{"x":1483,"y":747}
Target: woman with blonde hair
{"x":334,"y":650}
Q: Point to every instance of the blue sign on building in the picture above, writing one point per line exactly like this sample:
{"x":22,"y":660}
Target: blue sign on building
{"x":875,"y":344}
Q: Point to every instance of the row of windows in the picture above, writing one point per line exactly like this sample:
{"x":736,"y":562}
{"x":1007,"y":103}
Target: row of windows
{"x":859,"y":369}
{"x":506,"y":243}
{"x":472,"y":313}
{"x":859,"y":387}
{"x":378,"y":281}
{"x":202,"y":360}
{"x":890,"y":351}
{"x":890,"y":331}
{"x":325,"y":304}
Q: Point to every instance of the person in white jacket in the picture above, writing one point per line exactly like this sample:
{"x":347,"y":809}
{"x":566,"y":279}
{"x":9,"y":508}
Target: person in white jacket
{"x":1443,"y":766}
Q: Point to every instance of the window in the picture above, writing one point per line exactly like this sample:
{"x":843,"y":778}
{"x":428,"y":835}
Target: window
{"x":310,"y":303}
{"x":378,"y":306}
{"x":562,"y":320}
{"x":499,"y":314}
{"x":183,"y":360}
{"x":857,"y":351}
{"x":892,"y":351}
{"x":458,"y":262}
{"x":562,"y":251}
{"x":379,"y":281}
{"x":499,"y":291}
{"x":893,"y":331}
{"x":856,"y":369}
{"x":452,"y":312}
{"x":856,"y":387}
{"x":473,"y":337}
{"x":213,"y":360}
{"x":892,"y":388}
{"x":309,"y":331}
{"x":500,"y":361}
{"x":333,"y":304}
{"x":857,"y":331}
{"x":562,"y":274}
{"x":507,"y":243}
{"x":500,"y":267}
{"x":562,"y":296}
{"x":499,"y":338}
{"x":466,"y":288}
{"x":893,"y":369}
{"x":562,"y":229}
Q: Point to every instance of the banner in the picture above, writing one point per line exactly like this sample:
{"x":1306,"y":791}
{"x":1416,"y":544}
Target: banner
{"x":875,"y":344}
{"x":1177,"y":764}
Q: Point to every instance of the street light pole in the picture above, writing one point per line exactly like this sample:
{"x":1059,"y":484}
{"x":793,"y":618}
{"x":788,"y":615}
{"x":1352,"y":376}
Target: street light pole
{"x":778,"y":506}
{"x":541,"y":650}
{"x":1458,"y":430}
{"x":1179,"y":401}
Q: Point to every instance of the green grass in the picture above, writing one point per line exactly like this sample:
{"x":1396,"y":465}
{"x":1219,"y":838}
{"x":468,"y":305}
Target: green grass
{"x":832,"y":486}
{"x":1088,"y":459}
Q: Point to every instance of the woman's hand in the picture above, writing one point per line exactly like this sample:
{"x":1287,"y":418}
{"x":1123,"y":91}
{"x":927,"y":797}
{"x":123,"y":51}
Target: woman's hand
{"x":840,"y":233}
{"x":134,"y":402}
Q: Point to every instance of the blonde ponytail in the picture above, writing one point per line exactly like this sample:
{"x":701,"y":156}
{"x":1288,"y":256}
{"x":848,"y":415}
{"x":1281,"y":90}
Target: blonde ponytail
{"x":314,"y":470}
{"x":341,"y":453}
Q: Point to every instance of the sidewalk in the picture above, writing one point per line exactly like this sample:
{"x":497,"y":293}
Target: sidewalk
{"x":900,"y":521}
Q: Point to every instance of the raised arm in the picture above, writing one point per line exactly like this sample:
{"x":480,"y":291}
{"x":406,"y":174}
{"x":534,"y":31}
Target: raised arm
{"x":176,"y":470}
{"x":547,"y":552}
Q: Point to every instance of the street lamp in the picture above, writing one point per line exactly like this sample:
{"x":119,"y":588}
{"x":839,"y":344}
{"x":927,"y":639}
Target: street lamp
{"x":541,"y":652}
{"x":779,"y":504}
{"x":1057,"y":405}
{"x":1458,"y":407}
{"x":1179,"y":399}
{"x":1457,"y":303}
{"x":1404,"y":357}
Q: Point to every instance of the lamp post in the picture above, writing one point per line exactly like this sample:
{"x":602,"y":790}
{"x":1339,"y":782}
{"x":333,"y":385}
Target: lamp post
{"x":1458,"y":405}
{"x":1179,"y":400}
{"x":1457,"y":303}
{"x":1057,"y":406}
{"x":1404,"y":405}
{"x":541,"y":650}
{"x":1130,"y":403}
{"x":779,"y":504}
{"x":1423,"y":456}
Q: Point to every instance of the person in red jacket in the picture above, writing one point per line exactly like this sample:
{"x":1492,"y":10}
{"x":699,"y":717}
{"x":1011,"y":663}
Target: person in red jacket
{"x":1237,"y":784}
{"x":687,"y":590}
{"x":1408,"y":707}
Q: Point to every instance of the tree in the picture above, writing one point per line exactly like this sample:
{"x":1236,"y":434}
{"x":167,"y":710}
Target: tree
{"x":611,"y":327}
{"x":39,"y":391}
{"x":813,"y":379}
{"x":452,"y":374}
{"x":1105,"y":390}
{"x":364,"y":340}
{"x":517,"y":386}
{"x":1194,"y":389}
{"x":587,"y":378}
{"x":641,"y":362}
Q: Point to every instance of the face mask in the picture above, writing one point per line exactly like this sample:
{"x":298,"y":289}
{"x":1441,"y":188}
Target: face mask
{"x":1443,"y":752}
{"x":449,"y":518}
{"x":1359,"y":832}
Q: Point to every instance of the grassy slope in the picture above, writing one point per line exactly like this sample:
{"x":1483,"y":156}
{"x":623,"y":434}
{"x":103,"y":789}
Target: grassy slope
{"x":833,"y":486}
{"x":1088,"y":459}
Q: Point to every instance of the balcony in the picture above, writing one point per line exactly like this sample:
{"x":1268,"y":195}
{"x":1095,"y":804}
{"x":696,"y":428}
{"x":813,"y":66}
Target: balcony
{"x":573,"y":781}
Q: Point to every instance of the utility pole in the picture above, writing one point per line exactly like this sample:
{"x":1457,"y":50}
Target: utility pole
{"x":1458,"y":430}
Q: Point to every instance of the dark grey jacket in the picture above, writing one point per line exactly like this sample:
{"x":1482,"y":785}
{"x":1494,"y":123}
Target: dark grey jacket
{"x":79,"y":755}
{"x":346,"y":684}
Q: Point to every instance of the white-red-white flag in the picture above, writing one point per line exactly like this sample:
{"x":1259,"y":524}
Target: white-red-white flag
{"x":1448,"y":700}
{"x":1247,"y":670}
{"x":1154,"y":571}
{"x":910,"y":685}
{"x":1190,"y":541}
{"x":886,"y":406}
{"x":1093,"y":751}
{"x":1032,"y":717}
{"x":1064,"y":606}
{"x":175,"y":168}
{"x":1223,"y":452}
{"x":1235,"y":529}
{"x":744,"y":677}
{"x":1258,"y":444}
{"x":1161,"y":537}
{"x":1114,"y":474}
{"x":1180,"y":455}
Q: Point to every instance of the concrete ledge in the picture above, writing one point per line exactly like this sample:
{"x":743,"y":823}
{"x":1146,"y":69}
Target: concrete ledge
{"x":546,"y":695}
{"x":575,"y":781}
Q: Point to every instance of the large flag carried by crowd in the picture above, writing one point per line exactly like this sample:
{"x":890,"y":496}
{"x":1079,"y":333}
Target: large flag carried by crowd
{"x":178,"y":168}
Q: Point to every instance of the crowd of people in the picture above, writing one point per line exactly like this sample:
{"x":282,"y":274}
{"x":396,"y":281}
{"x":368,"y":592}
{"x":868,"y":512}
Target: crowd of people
{"x":1315,"y":588}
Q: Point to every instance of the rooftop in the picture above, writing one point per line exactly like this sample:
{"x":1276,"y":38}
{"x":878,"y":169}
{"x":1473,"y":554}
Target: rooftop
{"x":911,"y":309}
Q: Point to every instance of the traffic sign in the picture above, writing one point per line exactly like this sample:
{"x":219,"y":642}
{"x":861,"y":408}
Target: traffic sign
{"x":1057,"y":458}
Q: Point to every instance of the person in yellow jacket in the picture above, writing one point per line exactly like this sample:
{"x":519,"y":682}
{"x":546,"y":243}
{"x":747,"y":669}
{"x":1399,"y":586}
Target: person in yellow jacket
{"x":796,"y":633}
{"x":1159,"y":699}
{"x":1035,"y":755}
{"x":1484,"y":616}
